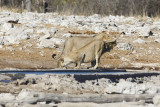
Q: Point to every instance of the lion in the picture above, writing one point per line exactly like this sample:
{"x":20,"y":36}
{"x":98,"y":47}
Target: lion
{"x":75,"y":43}
{"x":88,"y":53}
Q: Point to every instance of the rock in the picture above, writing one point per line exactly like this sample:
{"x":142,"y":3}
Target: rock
{"x":53,"y":30}
{"x":50,"y":43}
{"x":144,"y":31}
{"x":97,"y":28}
{"x":46,"y":43}
{"x":156,"y":100}
{"x":10,"y":48}
{"x":152,"y":90}
{"x":47,"y":32}
{"x":27,"y":81}
{"x":139,"y":41}
{"x":2,"y":33}
{"x":6,"y":97}
{"x":26,"y":96}
{"x":15,"y":35}
{"x":4,"y":77}
{"x":127,"y":87}
{"x":6,"y":27}
{"x":64,"y":23}
{"x":11,"y":104}
{"x":113,"y":90}
{"x":95,"y":17}
{"x":149,"y":20}
{"x":44,"y":31}
{"x":112,"y":104}
{"x":157,"y":40}
{"x":124,"y":46}
{"x":67,"y":35}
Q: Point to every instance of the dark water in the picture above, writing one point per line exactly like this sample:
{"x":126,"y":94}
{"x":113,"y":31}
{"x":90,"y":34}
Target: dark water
{"x":42,"y":73}
{"x":6,"y":81}
{"x":79,"y":75}
{"x":63,"y":71}
{"x":19,"y":74}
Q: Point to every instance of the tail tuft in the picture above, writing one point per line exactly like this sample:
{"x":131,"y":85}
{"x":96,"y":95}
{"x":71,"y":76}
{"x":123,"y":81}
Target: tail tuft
{"x":53,"y":56}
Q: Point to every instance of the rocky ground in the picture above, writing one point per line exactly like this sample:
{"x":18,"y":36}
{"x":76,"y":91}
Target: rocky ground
{"x":62,"y":90}
{"x":28,"y":40}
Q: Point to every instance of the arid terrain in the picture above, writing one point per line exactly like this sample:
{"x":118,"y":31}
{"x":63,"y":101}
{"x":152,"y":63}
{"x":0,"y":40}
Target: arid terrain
{"x":28,"y":41}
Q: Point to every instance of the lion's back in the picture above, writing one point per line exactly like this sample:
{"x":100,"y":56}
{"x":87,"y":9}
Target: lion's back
{"x":75,"y":43}
{"x":91,"y":49}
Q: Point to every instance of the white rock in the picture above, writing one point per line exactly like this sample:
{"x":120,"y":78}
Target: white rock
{"x":113,"y":90}
{"x":157,"y":40}
{"x":29,"y":31}
{"x":2,"y":33}
{"x":98,"y":28}
{"x":124,"y":46}
{"x":46,"y":43}
{"x":156,"y":100}
{"x":6,"y":27}
{"x":50,"y":43}
{"x":64,"y":23}
{"x":44,"y":30}
{"x":45,"y":37}
{"x":53,"y":30}
{"x":149,"y":20}
{"x":4,"y":97}
{"x":127,"y":87}
{"x":95,"y":17}
{"x":57,"y":41}
{"x":24,"y":94}
{"x":125,"y":59}
{"x":11,"y":104}
{"x":139,"y":40}
{"x":67,"y":35}
{"x":152,"y":90}
{"x":10,"y":48}
{"x":15,"y":35}
{"x":143,"y":31}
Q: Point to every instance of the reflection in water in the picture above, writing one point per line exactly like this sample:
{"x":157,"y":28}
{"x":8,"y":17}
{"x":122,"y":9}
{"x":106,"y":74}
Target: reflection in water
{"x":19,"y":74}
{"x":6,"y":81}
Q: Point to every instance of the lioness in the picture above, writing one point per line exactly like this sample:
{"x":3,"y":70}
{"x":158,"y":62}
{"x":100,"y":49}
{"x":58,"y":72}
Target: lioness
{"x":90,"y":52}
{"x":75,"y":43}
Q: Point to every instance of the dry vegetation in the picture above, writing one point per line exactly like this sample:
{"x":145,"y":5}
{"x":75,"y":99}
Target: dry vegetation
{"x":41,"y":58}
{"x":89,"y":7}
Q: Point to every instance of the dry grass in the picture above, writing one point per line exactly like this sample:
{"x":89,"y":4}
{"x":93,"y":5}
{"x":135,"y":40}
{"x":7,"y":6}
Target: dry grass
{"x":36,"y":58}
{"x":82,"y":32}
{"x":15,"y":10}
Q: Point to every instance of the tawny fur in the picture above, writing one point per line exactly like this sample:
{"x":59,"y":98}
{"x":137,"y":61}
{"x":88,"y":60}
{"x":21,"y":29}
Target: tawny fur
{"x":90,"y":52}
{"x":75,"y":43}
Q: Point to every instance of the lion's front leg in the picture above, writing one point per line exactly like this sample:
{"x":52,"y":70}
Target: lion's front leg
{"x":78,"y":65}
{"x":97,"y":62}
{"x":97,"y":59}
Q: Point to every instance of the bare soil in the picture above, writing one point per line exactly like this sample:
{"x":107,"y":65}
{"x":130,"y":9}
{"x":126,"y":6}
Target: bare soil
{"x":143,"y":56}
